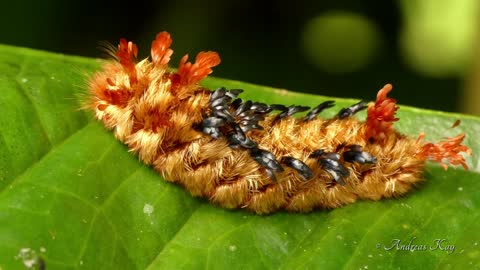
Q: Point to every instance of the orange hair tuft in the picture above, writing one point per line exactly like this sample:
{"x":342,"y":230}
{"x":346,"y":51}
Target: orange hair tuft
{"x":381,"y":115}
{"x":445,"y":152}
{"x":192,"y":73}
{"x":161,"y":51}
{"x":127,"y":55}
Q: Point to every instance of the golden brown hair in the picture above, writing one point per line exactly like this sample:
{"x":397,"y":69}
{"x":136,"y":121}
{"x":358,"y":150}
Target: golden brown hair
{"x":239,"y":154}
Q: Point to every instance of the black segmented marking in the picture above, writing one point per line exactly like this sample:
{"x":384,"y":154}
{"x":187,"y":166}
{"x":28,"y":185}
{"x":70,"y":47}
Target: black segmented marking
{"x":238,"y":138}
{"x":246,"y":117}
{"x":261,"y":108}
{"x":346,"y":112}
{"x":254,"y":107}
{"x":211,"y":126}
{"x":267,"y":160}
{"x":299,"y":166}
{"x":220,"y":101}
{"x":236,"y":103}
{"x":278,"y":107}
{"x":249,"y":114}
{"x":220,"y":92}
{"x":251,"y":122}
{"x":213,"y":121}
{"x":224,"y":114}
{"x":356,"y":154}
{"x":243,"y":109}
{"x":290,"y":110}
{"x":330,"y":162}
{"x":213,"y":132}
{"x":315,"y":111}
{"x":233,"y":93}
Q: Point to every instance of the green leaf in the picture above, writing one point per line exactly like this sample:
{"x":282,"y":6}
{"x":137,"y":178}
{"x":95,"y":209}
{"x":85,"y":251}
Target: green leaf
{"x":74,"y":196}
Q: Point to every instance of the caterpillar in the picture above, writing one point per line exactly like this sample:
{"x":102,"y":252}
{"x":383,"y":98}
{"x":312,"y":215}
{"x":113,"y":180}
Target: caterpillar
{"x":245,"y":154}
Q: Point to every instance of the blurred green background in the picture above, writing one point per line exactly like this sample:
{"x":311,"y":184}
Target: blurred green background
{"x":346,"y":48}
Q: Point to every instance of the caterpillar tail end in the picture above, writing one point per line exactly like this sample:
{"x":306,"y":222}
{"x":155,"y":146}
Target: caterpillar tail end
{"x":446,"y":152}
{"x":379,"y":124}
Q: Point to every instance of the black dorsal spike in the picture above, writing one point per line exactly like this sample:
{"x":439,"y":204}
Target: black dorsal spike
{"x":346,"y":112}
{"x":238,"y":138}
{"x":315,"y":111}
{"x":236,"y":103}
{"x":213,"y":132}
{"x":221,"y":101}
{"x":330,"y":162}
{"x":266,"y":159}
{"x":233,"y":93}
{"x":355,"y":153}
{"x":299,"y":166}
{"x":243,"y":108}
{"x":291,"y":110}
{"x":220,"y":92}
{"x":213,"y":122}
{"x":278,"y":107}
{"x":335,"y":169}
{"x":225,"y":114}
{"x":260,"y":108}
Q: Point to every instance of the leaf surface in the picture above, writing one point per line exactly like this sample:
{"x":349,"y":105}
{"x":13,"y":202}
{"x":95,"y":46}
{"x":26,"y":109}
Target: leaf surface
{"x":74,"y":196}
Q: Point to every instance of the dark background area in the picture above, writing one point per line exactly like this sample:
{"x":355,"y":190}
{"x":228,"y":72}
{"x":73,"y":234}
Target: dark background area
{"x":263,"y":42}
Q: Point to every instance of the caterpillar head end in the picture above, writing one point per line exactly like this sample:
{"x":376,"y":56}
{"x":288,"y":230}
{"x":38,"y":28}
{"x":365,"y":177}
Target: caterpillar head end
{"x":130,"y":95}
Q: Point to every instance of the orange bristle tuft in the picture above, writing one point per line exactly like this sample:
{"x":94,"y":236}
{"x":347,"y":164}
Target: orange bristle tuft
{"x":127,"y":55}
{"x":381,"y":115}
{"x":161,"y":51}
{"x":445,"y":152}
{"x":193,"y":73}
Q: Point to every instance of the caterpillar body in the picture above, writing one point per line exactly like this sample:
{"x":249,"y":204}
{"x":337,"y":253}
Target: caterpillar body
{"x":244,"y":154}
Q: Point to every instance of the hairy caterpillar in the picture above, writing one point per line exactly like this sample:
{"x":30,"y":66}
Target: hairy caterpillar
{"x":240,"y":153}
